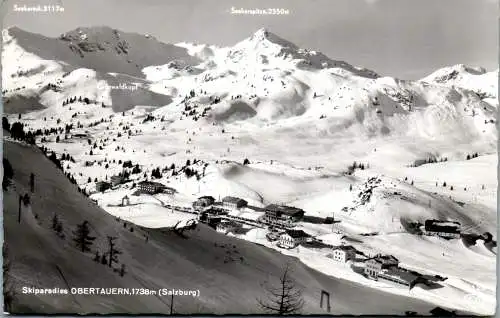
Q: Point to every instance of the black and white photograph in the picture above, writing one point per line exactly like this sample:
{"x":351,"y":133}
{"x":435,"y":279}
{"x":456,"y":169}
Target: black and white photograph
{"x":250,"y":157}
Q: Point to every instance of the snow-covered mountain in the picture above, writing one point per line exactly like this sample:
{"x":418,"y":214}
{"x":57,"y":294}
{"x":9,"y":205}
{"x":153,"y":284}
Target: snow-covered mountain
{"x":476,"y":79}
{"x":100,"y":48}
{"x":300,"y":117}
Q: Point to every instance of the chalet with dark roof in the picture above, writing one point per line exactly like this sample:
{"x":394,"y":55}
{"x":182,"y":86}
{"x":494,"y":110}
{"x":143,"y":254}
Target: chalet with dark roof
{"x":375,"y":265}
{"x":230,"y":202}
{"x":445,"y":229}
{"x":151,"y":187}
{"x":399,"y":277}
{"x":292,"y":238}
{"x":281,"y":213}
{"x":344,"y":253}
{"x":203,"y":202}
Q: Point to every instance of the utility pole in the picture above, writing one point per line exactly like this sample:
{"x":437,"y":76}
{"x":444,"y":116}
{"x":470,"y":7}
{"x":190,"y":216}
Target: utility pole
{"x":172,"y":304}
{"x":19,"y":212}
{"x":32,"y":182}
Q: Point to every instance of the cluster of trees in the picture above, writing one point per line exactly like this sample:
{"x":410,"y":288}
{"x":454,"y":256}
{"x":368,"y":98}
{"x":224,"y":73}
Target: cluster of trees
{"x":80,"y":99}
{"x":192,"y":111}
{"x":149,"y":117}
{"x":110,"y":257}
{"x":352,"y":168}
{"x":71,"y":178}
{"x":54,"y":159}
{"x":17,"y":131}
{"x":83,"y":241}
{"x":137,"y":169}
{"x":428,"y":160}
{"x":156,"y":173}
{"x":215,"y":100}
{"x":53,"y":87}
{"x":67,"y":157}
{"x":445,"y":185}
{"x":474,"y":155}
{"x":189,"y":172}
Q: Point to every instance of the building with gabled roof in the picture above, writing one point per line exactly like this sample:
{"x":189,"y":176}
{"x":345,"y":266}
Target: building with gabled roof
{"x":399,"y":277}
{"x":230,"y":202}
{"x":292,"y":238}
{"x":445,"y":229}
{"x":152,"y":187}
{"x":102,"y":186}
{"x":344,"y":253}
{"x":203,"y":202}
{"x":116,"y":180}
{"x":276,"y":214}
{"x":376,"y":264}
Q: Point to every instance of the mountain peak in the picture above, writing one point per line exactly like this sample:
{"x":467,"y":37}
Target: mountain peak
{"x":264,"y":36}
{"x":260,"y":35}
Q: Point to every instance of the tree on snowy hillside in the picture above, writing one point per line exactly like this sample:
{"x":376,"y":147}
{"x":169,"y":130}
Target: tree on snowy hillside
{"x":8,"y":173}
{"x":17,"y":131}
{"x":113,"y":252}
{"x":82,"y":237}
{"x":156,"y":173}
{"x":5,"y":124}
{"x":284,"y":299}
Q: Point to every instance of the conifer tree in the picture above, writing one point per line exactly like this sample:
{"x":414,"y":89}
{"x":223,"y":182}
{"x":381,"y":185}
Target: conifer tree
{"x":82,"y":237}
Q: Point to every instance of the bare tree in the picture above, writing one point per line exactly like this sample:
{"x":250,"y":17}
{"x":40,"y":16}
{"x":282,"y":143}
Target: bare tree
{"x":284,"y":299}
{"x":113,"y":251}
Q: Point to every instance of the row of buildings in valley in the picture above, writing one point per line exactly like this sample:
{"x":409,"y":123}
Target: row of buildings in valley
{"x":146,"y":187}
{"x":102,"y":186}
{"x":383,"y":268}
{"x":272,"y":215}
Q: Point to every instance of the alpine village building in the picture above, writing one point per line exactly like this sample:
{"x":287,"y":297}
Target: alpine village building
{"x":386,"y":268}
{"x":292,"y":238}
{"x":151,"y":187}
{"x":102,"y":186}
{"x":281,"y":214}
{"x":444,"y":229}
{"x":231,"y":203}
{"x":117,"y":180}
{"x":344,"y":253}
{"x":203,"y":202}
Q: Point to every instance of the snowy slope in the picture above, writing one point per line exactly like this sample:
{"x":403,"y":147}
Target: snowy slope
{"x":476,"y":79}
{"x":214,"y":264}
{"x":100,"y":48}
